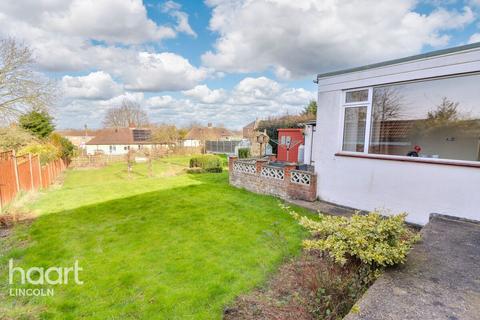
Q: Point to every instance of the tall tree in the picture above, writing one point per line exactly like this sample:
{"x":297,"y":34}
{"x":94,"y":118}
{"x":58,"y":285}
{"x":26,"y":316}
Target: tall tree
{"x":311,"y":108}
{"x":129,"y":113}
{"x":21,"y":88}
{"x":37,"y":122}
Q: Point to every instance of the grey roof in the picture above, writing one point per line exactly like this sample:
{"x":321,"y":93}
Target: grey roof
{"x":401,"y":60}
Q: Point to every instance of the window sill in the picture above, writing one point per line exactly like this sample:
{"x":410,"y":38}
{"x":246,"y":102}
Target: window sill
{"x":457,"y":163}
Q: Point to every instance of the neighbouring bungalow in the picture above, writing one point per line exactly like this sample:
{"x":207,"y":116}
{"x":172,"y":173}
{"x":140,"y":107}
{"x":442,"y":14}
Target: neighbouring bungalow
{"x":78,"y":138}
{"x":402,"y":135}
{"x":198,"y":135}
{"x":250,"y":129}
{"x":118,"y":141}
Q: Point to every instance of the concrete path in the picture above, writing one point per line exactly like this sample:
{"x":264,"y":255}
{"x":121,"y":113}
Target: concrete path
{"x":440,"y":280}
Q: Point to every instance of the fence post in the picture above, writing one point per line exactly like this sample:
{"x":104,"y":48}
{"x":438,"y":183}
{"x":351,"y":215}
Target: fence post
{"x":31,"y":170}
{"x":15,"y":169}
{"x":40,"y":173}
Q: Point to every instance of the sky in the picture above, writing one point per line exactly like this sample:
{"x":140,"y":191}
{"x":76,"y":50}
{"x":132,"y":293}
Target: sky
{"x":225,"y":62}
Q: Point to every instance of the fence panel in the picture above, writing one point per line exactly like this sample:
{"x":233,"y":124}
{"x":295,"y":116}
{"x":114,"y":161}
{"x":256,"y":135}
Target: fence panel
{"x":221,"y":146}
{"x":24,"y":173}
{"x":37,"y":180}
{"x":8,"y":186}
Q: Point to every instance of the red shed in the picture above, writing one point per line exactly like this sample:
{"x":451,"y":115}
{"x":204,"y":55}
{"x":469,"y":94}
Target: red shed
{"x":289,"y":141}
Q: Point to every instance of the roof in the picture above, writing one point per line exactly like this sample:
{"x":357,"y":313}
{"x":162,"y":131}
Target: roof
{"x":208,"y":133}
{"x":77,"y":132}
{"x":252,"y":125}
{"x":401,"y":60}
{"x":121,"y":136}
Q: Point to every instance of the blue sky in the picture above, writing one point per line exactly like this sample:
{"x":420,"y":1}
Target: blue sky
{"x":226,"y":62}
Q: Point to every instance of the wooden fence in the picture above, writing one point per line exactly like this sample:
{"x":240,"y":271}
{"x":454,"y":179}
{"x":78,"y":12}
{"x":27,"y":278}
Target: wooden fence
{"x":24,"y":173}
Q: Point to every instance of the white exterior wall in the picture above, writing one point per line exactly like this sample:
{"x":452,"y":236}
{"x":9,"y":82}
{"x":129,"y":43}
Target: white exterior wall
{"x":119,"y":148}
{"x":191,"y":143}
{"x":368,"y":184}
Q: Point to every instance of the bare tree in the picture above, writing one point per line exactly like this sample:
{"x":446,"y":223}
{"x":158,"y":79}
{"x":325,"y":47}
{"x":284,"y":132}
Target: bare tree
{"x":21,"y":88}
{"x":165,"y":133}
{"x":129,"y":113}
{"x":387,"y":104}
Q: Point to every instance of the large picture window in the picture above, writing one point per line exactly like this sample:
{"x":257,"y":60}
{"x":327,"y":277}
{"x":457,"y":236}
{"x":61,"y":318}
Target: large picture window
{"x":437,"y":119}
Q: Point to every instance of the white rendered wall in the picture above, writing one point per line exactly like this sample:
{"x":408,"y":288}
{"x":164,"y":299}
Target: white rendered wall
{"x":119,"y":148}
{"x":368,"y":184}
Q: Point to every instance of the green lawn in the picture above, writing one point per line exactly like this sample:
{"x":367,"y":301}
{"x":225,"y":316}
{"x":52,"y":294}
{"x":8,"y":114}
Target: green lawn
{"x":175,"y":246}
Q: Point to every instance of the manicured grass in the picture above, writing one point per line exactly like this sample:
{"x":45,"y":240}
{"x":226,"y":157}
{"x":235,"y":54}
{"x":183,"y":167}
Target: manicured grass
{"x":175,"y":246}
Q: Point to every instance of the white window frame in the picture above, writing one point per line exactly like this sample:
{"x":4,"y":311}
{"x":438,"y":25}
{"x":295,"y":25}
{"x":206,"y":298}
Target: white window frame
{"x":368,"y":105}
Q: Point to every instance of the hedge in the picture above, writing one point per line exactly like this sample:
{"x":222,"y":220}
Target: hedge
{"x":206,"y":163}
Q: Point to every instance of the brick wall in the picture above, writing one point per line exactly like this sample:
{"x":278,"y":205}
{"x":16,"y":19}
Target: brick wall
{"x":284,"y":182}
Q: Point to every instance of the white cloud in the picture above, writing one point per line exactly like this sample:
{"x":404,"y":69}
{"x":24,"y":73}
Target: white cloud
{"x":237,"y":107}
{"x":96,"y":85}
{"x":173,"y":9}
{"x":123,"y":21}
{"x":61,"y":34}
{"x":474,"y":38}
{"x":160,"y":72}
{"x":204,"y":94}
{"x":303,"y":37}
{"x":159,"y":101}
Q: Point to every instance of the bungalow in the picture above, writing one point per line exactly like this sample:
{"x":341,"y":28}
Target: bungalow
{"x":118,"y":141}
{"x":402,"y":135}
{"x":198,"y":135}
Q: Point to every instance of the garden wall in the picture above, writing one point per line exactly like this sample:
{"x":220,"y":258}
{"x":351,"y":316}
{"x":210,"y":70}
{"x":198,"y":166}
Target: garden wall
{"x":24,"y":173}
{"x":286,"y":182}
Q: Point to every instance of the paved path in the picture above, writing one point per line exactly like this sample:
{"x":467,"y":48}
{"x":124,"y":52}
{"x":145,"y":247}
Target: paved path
{"x":440,"y":280}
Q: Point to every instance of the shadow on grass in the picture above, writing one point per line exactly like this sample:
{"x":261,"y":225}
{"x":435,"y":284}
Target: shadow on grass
{"x":183,"y":252}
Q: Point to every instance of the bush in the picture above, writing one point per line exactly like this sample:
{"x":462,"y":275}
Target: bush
{"x":65,"y":147}
{"x":243,"y":153}
{"x":46,"y":151}
{"x":207,"y":163}
{"x":373,"y":239}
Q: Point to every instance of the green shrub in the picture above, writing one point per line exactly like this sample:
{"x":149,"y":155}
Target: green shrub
{"x":373,"y":239}
{"x":243,"y":153}
{"x":46,"y":151}
{"x":208,"y":163}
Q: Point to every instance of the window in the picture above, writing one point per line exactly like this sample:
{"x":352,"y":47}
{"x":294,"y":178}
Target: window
{"x":438,"y":119}
{"x":354,"y":129}
{"x":356,"y":96}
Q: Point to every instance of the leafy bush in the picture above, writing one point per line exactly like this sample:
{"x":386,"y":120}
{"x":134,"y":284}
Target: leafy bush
{"x":46,"y":151}
{"x":373,"y":239}
{"x":244,"y":153}
{"x":65,"y":147}
{"x":208,"y":163}
{"x":14,"y":138}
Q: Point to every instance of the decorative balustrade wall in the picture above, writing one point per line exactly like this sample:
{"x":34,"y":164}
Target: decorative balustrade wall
{"x":285,"y":182}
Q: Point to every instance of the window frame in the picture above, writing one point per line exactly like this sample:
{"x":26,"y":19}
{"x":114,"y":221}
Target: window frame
{"x":345,"y":105}
{"x":369,"y":105}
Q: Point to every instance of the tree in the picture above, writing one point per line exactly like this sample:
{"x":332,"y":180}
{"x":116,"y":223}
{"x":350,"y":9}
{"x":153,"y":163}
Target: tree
{"x":387,"y":104}
{"x":446,"y":111}
{"x":129,"y":113}
{"x":65,"y":147}
{"x":38,"y":123}
{"x":21,"y":88}
{"x":311,"y":108}
{"x":14,"y":138}
{"x":165,"y":134}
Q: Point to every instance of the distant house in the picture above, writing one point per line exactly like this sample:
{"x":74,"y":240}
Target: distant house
{"x":198,"y":135}
{"x":78,"y":138}
{"x":249,"y":129}
{"x":118,"y":141}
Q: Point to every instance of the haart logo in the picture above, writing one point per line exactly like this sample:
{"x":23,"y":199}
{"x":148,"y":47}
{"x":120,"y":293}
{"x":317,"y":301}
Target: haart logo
{"x":41,"y":276}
